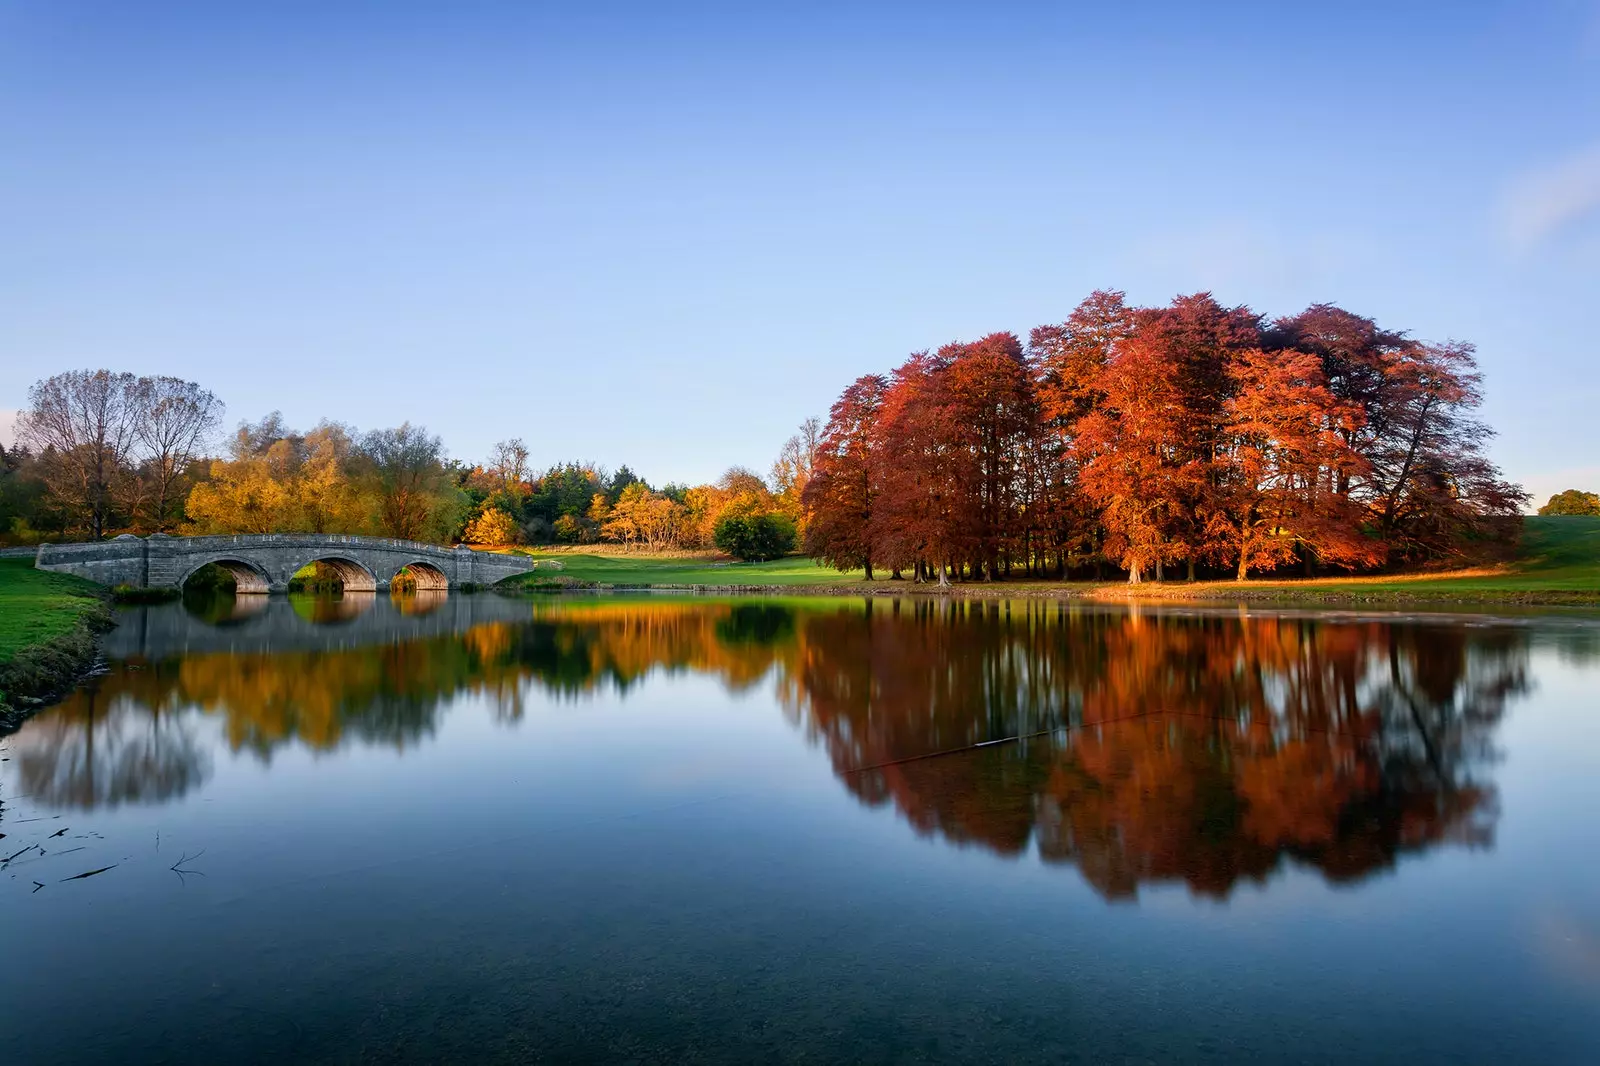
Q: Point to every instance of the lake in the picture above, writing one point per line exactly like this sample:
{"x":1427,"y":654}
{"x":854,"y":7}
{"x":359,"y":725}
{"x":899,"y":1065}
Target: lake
{"x":652,"y":829}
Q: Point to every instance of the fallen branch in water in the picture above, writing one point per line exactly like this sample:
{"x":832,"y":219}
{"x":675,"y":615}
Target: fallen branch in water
{"x":24,"y":851}
{"x":90,"y":873}
{"x":37,"y":885}
{"x":57,"y":833}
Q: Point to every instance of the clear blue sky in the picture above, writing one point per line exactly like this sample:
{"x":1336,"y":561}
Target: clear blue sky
{"x":664,"y":234}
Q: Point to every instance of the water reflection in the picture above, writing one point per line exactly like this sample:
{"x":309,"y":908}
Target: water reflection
{"x":419,"y":601}
{"x":106,"y":748}
{"x":223,"y":608}
{"x":334,"y":608}
{"x":1206,"y":750}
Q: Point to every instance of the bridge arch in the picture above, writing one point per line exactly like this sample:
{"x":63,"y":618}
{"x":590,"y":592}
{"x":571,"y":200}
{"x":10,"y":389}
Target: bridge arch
{"x":351,"y":574}
{"x":248,"y":579}
{"x":424,"y":576}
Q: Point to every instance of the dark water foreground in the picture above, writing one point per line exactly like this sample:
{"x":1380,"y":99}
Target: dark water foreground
{"x":476,"y":829}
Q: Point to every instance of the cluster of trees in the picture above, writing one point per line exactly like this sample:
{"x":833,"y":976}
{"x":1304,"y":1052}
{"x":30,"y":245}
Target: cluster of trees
{"x":332,"y":479}
{"x":1191,"y":435}
{"x":98,"y":450}
{"x":1573,"y":502}
{"x":101,"y":452}
{"x":575,"y":503}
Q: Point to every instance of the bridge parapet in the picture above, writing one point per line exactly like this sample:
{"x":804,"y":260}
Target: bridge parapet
{"x":266,"y":562}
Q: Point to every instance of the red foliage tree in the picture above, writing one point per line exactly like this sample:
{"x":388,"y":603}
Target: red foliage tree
{"x":839,"y":497}
{"x":1150,"y":436}
{"x":1068,"y":360}
{"x":1286,"y":447}
{"x":1136,"y":451}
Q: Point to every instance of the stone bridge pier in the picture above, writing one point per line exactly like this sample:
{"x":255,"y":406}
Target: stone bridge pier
{"x":265,"y":563}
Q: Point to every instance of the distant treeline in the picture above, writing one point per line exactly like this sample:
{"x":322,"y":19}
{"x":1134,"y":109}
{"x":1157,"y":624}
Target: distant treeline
{"x":101,"y":453}
{"x":1153,"y":438}
{"x":1190,"y":438}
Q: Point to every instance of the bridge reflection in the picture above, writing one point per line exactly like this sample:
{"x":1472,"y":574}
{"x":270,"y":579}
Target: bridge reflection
{"x":1205,"y":749}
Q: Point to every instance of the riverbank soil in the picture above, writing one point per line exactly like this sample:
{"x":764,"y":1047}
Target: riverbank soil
{"x":48,"y":628}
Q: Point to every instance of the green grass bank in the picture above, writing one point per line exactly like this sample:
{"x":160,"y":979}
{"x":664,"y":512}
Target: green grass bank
{"x":1558,"y":563}
{"x":49,"y":625}
{"x":652,"y":571}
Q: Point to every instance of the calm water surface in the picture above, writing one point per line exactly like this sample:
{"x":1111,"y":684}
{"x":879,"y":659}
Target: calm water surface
{"x":658,"y":830}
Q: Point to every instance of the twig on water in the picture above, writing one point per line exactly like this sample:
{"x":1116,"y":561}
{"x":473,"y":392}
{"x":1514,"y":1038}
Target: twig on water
{"x":24,"y":851}
{"x":37,"y":885}
{"x":57,"y":833}
{"x":183,"y":874}
{"x":90,"y":873}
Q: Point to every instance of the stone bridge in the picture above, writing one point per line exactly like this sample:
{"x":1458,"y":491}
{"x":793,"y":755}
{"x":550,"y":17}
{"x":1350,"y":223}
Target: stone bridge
{"x":265,"y":563}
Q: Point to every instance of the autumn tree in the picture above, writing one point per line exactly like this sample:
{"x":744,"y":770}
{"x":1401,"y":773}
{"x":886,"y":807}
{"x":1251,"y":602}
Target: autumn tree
{"x":174,"y":420}
{"x":1285,"y":447}
{"x":1137,"y":455}
{"x":416,"y":498}
{"x":989,"y":411}
{"x":839,"y":496}
{"x":83,"y":425}
{"x":491,"y":526}
{"x":1197,"y":338}
{"x":1067,"y":361}
{"x":1428,"y":490}
{"x":249,"y":494}
{"x":326,"y":495}
{"x":1434,"y":491}
{"x":509,"y":464}
{"x":1572,"y":502}
{"x":737,"y":491}
{"x":916,"y":520}
{"x":641,"y":516}
{"x":791,"y":471}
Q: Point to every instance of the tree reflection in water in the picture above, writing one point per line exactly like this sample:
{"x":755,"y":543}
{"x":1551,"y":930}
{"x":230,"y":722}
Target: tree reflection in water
{"x":1198,"y":748}
{"x":105,"y":748}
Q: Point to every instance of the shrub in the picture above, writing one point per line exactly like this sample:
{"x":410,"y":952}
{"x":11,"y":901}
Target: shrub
{"x":755,"y":537}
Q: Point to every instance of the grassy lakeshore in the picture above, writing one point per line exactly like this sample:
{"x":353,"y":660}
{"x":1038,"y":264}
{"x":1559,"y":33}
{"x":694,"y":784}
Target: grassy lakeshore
{"x":640,"y":570}
{"x":48,"y":625}
{"x":1558,"y":564}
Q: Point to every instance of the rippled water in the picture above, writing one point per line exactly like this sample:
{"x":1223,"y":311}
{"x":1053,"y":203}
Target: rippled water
{"x":646,"y":829}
